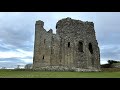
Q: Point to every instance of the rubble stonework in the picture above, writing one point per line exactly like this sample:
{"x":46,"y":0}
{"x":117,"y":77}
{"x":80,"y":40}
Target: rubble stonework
{"x":73,"y":47}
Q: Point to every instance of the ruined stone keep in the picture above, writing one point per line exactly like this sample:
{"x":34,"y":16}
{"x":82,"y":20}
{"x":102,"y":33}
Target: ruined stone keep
{"x":73,"y":47}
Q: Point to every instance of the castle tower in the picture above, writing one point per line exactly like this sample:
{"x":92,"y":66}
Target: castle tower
{"x":73,"y":46}
{"x":79,"y":47}
{"x":42,"y":45}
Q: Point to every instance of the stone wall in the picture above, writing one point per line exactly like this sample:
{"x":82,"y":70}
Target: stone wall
{"x":115,"y":65}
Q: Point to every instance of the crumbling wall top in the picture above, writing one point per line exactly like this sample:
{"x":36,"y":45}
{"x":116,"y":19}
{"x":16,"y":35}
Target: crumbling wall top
{"x":50,"y":31}
{"x":89,"y":23}
{"x":68,"y":21}
{"x":40,"y":23}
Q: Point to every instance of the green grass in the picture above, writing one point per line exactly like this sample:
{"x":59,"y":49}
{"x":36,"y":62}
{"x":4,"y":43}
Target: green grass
{"x":40,"y":74}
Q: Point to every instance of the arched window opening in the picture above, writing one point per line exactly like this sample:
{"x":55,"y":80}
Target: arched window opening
{"x":80,"y":46}
{"x":68,"y":44}
{"x":90,"y":48}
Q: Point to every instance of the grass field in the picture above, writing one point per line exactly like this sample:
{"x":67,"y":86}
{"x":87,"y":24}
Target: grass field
{"x":40,"y":74}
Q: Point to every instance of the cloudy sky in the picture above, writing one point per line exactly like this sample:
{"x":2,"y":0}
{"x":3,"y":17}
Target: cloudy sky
{"x":17,"y":34}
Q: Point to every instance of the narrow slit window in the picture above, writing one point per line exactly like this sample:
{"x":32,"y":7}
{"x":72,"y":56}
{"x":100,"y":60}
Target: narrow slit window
{"x":44,"y":41}
{"x":68,"y":44}
{"x":43,"y":57}
{"x":80,"y":47}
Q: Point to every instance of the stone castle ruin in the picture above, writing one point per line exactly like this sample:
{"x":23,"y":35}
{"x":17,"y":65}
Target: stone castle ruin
{"x":73,"y":47}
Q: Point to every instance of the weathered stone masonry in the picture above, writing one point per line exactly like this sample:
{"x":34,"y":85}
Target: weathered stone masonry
{"x":73,"y":47}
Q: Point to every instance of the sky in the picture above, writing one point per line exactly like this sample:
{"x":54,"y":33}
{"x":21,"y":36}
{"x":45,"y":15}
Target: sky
{"x":17,"y":34}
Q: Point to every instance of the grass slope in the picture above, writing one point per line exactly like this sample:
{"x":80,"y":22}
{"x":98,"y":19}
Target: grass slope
{"x":38,"y":74}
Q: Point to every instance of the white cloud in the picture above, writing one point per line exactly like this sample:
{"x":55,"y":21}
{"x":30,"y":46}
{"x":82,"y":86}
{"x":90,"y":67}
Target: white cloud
{"x":4,"y":61}
{"x":103,"y":62}
{"x":27,"y":60}
{"x":16,"y":54}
